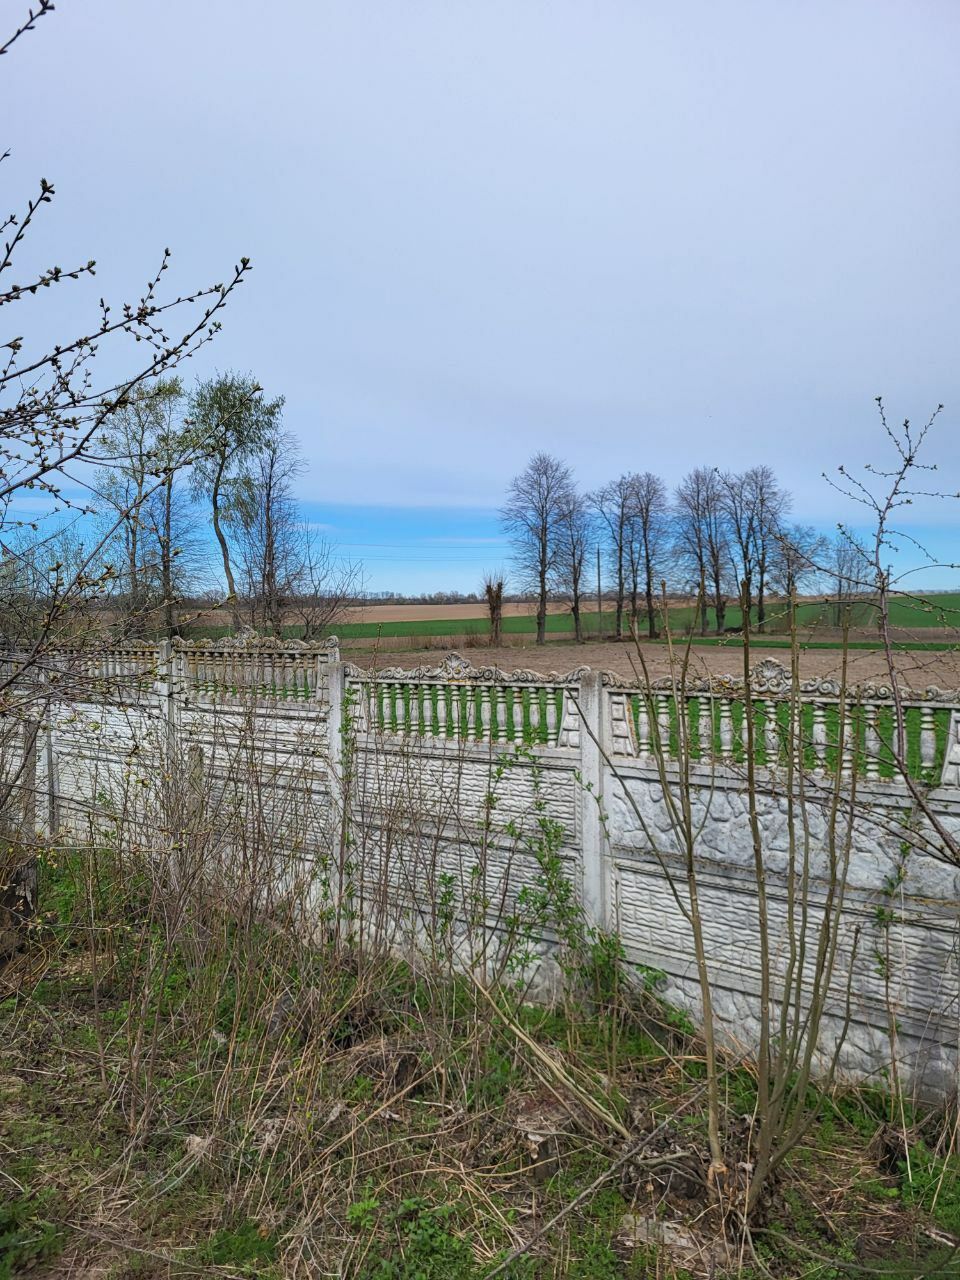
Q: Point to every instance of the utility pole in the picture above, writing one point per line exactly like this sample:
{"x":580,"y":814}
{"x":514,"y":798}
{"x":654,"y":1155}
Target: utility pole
{"x":599,"y":599}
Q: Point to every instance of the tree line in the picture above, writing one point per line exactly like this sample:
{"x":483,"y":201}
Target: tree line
{"x":720,"y":535}
{"x":169,"y":460}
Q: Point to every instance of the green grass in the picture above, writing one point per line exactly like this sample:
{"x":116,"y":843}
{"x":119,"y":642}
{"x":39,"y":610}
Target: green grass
{"x":393,"y":1206}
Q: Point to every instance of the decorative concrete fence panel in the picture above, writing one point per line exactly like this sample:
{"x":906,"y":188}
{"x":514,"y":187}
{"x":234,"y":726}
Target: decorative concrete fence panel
{"x":437,"y":791}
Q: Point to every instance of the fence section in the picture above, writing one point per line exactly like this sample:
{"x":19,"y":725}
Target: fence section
{"x":217,"y":674}
{"x":823,"y":728}
{"x":456,"y":774}
{"x":457,"y":702}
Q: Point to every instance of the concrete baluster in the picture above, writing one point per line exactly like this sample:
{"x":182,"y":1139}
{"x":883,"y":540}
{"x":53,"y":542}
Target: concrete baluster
{"x":441,"y":696}
{"x":928,"y":738}
{"x":551,"y":695}
{"x":643,"y":727}
{"x":726,"y":729}
{"x":745,"y":728}
{"x":412,"y":715}
{"x":698,"y":741}
{"x":819,"y":734}
{"x":534,"y":713}
{"x":455,"y":709}
{"x":850,"y":723}
{"x":663,"y":724}
{"x":771,"y":733}
{"x":483,"y":728}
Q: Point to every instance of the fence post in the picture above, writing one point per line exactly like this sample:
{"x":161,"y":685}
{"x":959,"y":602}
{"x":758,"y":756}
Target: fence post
{"x":592,"y":851}
{"x":336,"y":693}
{"x":167,"y":689}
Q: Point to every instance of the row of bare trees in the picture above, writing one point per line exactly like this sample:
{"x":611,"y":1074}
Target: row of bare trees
{"x":718,"y":529}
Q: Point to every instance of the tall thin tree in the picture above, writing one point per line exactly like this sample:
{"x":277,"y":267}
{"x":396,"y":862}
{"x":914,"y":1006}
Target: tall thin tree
{"x":702,"y":541}
{"x":234,"y":420}
{"x":531,"y":517}
{"x":614,"y":505}
{"x":575,"y":529}
{"x":651,"y":510}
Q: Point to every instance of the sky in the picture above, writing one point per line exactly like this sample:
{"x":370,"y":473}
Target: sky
{"x":642,"y":236}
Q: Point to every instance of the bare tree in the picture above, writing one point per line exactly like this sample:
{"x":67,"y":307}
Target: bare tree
{"x":847,"y":570}
{"x":574,"y":538}
{"x":754,"y":505}
{"x":799,"y":555}
{"x":122,"y":485}
{"x":650,"y":521}
{"x":614,"y":505}
{"x":883,"y":493}
{"x":264,"y":519}
{"x":147,"y":446}
{"x":740,"y":515}
{"x":33,"y":576}
{"x":771,"y":503}
{"x":701,"y":541}
{"x":531,"y":517}
{"x":324,"y":586}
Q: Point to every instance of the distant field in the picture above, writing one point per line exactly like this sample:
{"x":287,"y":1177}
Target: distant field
{"x":438,"y":620}
{"x":817,"y":622}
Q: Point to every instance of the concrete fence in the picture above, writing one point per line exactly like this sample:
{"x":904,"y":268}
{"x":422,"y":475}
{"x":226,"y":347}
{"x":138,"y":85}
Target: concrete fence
{"x":444,"y":776}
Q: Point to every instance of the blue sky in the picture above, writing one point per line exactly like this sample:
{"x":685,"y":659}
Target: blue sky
{"x":638,"y":235}
{"x":424,"y":549}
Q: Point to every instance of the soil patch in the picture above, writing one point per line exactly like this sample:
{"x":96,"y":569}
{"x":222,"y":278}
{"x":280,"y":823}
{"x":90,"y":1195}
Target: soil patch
{"x":916,"y":669}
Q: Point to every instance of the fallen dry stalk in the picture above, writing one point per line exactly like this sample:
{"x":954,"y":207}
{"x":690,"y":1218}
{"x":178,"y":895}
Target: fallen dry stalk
{"x":600,"y":1113}
{"x":630,"y":1154}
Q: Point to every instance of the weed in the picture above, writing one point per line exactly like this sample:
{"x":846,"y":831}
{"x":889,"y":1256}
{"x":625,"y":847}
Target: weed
{"x":26,"y":1236}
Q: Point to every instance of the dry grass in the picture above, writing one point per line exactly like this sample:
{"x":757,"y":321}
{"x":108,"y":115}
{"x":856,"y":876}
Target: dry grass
{"x":189,"y":1088}
{"x":219,"y":1057}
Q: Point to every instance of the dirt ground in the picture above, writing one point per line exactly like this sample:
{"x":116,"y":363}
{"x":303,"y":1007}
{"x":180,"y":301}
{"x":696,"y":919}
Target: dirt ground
{"x":427,"y":612}
{"x":916,"y":669}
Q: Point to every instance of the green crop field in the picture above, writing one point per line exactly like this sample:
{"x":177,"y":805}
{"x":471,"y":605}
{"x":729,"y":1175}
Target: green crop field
{"x":906,"y":614}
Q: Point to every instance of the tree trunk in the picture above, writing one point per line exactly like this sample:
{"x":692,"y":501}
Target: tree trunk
{"x":620,"y":594}
{"x":761,"y":605}
{"x":166,"y":559}
{"x":651,"y":616}
{"x":704,"y":604}
{"x":494,"y":593}
{"x":542,"y":598}
{"x":225,"y":551}
{"x":746,"y":602}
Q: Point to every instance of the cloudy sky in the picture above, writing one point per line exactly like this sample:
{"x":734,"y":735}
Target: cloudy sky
{"x":639,"y":235}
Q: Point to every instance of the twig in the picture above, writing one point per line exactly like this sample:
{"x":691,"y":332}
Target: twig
{"x":621,"y":1160}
